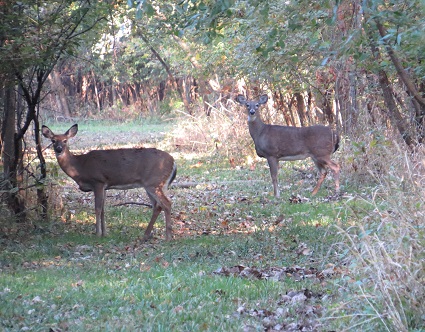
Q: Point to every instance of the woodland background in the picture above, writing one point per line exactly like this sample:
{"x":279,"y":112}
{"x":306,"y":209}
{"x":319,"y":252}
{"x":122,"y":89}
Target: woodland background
{"x":355,"y":65}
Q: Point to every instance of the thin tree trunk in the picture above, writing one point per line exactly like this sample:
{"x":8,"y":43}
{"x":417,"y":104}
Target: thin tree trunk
{"x":395,"y":116}
{"x":41,"y":193}
{"x":201,"y":81}
{"x":291,"y":113}
{"x":10,"y":169}
{"x":418,"y":101}
{"x":96,"y":92}
{"x":301,"y":108}
{"x":59,"y":90}
{"x":404,"y":76}
{"x":279,"y":98}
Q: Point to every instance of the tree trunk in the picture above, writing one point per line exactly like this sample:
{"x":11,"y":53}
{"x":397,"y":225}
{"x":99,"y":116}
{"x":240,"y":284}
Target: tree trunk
{"x":301,"y":109}
{"x":59,"y":91}
{"x":42,"y":198}
{"x":11,"y":154}
{"x":203,"y":90}
{"x":418,"y":101}
{"x":327,"y":106}
{"x":396,"y":117}
{"x":96,"y":92}
{"x":32,"y":99}
{"x":170,"y":74}
{"x":279,"y":99}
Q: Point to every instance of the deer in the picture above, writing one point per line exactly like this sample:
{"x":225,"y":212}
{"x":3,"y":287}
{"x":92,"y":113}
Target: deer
{"x":100,"y":170}
{"x":275,"y":143}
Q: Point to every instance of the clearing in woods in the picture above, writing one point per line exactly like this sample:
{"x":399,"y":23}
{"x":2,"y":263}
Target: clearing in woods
{"x":241,"y":259}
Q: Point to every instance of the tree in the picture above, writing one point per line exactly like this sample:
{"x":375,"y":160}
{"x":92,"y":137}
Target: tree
{"x":192,"y":27}
{"x":34,"y":37}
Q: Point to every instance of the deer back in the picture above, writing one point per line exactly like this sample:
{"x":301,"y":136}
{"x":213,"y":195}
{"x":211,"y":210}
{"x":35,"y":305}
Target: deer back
{"x":121,"y":168}
{"x":294,"y":143}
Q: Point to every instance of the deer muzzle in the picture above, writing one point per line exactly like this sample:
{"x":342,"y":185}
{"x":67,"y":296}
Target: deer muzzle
{"x":58,"y":149}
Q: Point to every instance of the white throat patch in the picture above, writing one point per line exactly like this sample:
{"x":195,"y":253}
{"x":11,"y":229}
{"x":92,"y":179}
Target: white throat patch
{"x":252,"y":117}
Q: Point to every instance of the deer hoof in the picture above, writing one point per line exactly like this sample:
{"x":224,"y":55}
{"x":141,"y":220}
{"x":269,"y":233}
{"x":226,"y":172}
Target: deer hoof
{"x":147,"y":237}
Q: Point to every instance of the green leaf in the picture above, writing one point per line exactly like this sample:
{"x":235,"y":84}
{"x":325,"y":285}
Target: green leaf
{"x":325,"y":61}
{"x":265,"y":10}
{"x":273,"y":33}
{"x":150,"y":11}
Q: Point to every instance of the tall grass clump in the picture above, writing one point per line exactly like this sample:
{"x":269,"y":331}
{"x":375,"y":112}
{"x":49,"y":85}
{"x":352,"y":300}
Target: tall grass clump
{"x":224,"y":131}
{"x":385,"y":289}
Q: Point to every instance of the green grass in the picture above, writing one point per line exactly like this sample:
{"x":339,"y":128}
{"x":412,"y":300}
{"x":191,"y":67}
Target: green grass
{"x":163,"y":287}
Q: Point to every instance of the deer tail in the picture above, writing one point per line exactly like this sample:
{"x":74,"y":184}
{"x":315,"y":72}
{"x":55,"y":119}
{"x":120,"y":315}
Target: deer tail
{"x":172,"y":175}
{"x":335,"y":139}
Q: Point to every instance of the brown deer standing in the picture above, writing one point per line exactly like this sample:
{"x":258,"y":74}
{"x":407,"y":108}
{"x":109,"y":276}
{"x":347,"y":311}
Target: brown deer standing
{"x":291,"y":143}
{"x":100,"y":170}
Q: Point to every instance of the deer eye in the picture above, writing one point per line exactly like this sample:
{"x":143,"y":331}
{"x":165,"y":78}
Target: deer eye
{"x":53,"y":141}
{"x":64,"y":141}
{"x":257,"y":105}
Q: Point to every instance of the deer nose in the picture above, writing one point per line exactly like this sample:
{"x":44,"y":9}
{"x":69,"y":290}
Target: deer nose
{"x":252,"y":111}
{"x":58,"y":149}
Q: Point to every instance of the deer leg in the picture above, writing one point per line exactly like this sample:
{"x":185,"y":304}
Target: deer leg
{"x":99,"y":209}
{"x":274,"y":165}
{"x":156,"y":210}
{"x":322,"y":176}
{"x":165,"y":204}
{"x":159,"y":202}
{"x":335,"y":168}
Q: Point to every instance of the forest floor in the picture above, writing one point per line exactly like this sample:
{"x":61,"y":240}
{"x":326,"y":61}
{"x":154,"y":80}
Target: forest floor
{"x":240,"y":259}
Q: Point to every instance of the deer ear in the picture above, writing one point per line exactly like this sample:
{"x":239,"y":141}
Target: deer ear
{"x":263,"y":99}
{"x":71,"y":132}
{"x":241,"y":99}
{"x":46,"y":132}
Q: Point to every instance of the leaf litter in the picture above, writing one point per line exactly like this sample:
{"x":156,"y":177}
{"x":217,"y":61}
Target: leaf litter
{"x":296,"y":310}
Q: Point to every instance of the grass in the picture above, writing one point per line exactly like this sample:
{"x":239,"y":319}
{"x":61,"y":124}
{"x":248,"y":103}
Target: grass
{"x":89,"y":284}
{"x":109,"y":134}
{"x":58,"y":275}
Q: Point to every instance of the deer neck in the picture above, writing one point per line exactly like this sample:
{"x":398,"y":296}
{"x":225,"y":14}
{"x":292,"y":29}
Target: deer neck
{"x":255,"y":126}
{"x":67,"y":161}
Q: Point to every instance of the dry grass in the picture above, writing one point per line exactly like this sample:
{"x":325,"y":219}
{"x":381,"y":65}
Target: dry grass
{"x":224,"y":132}
{"x":386,"y":291}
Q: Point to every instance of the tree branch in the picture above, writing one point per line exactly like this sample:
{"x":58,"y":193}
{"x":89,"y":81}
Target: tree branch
{"x":404,"y":76}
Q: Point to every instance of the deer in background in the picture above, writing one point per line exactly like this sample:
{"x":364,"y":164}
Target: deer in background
{"x":276,"y":143}
{"x":100,"y":170}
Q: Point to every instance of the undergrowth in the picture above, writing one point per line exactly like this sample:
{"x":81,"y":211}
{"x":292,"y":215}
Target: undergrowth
{"x":385,"y":245}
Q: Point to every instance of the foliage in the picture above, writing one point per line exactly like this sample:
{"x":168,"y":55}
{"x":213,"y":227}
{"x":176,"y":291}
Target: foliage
{"x":39,"y":35}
